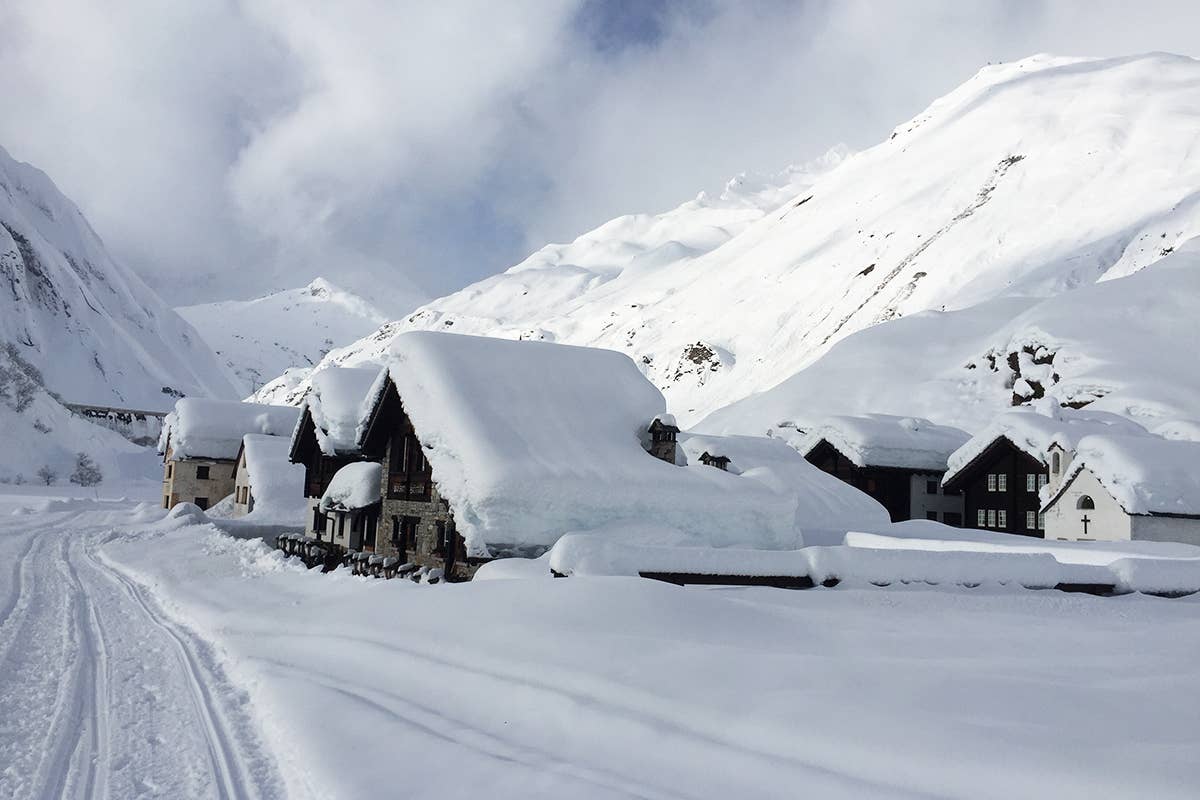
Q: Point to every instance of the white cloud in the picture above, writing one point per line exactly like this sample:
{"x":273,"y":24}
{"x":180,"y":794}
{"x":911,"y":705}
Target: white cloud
{"x":224,"y":148}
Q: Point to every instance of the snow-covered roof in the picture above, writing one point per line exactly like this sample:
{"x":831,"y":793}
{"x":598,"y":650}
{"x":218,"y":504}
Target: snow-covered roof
{"x":820,"y":500}
{"x":275,"y":483}
{"x":204,"y":428}
{"x":354,"y":486}
{"x":1034,"y":428}
{"x":531,"y":440}
{"x":1144,"y":474}
{"x":884,"y":440}
{"x":335,"y":403}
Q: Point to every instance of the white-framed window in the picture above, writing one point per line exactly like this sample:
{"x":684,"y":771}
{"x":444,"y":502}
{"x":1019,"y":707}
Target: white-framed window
{"x":1041,"y":480}
{"x":980,"y":518}
{"x":1031,"y":520}
{"x":1041,"y":519}
{"x":991,"y":481}
{"x":1002,"y":482}
{"x":1002,"y":519}
{"x":991,"y":517}
{"x":1031,"y":482}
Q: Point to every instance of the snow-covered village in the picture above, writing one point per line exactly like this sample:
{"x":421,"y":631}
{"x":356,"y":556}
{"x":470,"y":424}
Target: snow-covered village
{"x":671,"y":400}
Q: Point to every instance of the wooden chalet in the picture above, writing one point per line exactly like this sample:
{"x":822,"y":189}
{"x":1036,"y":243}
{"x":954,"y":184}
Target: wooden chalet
{"x":999,"y":487}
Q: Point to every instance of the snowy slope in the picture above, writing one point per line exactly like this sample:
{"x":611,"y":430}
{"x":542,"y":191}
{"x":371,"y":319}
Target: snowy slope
{"x":1029,"y":180}
{"x":95,"y":331}
{"x":260,"y":339}
{"x":1124,"y":345}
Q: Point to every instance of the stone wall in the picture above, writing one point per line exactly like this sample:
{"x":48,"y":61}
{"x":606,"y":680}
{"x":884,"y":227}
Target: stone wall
{"x":181,"y":484}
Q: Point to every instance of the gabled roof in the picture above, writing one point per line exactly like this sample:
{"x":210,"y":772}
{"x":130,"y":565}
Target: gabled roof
{"x":884,"y":440}
{"x":334,"y":407}
{"x":1145,"y":474}
{"x":203,"y":428}
{"x":1032,"y":430}
{"x":531,"y":440}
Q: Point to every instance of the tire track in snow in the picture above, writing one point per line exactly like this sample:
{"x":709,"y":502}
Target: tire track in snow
{"x":232,"y":778}
{"x":436,"y":724}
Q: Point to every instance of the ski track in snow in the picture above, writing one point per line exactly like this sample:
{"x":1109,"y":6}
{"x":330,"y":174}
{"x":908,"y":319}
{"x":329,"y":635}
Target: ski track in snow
{"x":102,"y":694}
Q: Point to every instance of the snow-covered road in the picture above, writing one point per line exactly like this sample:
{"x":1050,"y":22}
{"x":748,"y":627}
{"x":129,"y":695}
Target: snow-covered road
{"x":142,"y":657}
{"x":101,"y":695}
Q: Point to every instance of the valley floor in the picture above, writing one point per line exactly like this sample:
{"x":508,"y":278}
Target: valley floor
{"x":142,"y":657}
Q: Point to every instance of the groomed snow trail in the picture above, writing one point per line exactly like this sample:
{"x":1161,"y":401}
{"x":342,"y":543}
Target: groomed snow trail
{"x":101,"y":694}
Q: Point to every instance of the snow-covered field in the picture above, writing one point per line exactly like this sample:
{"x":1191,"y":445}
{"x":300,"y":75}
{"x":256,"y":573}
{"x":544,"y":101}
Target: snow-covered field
{"x":143,"y":657}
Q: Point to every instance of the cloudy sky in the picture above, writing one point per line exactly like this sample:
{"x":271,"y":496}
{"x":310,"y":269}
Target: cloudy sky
{"x":224,"y":148}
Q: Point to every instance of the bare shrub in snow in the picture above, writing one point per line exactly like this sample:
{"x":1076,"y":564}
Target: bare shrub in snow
{"x":86,"y":472}
{"x":47,"y":474}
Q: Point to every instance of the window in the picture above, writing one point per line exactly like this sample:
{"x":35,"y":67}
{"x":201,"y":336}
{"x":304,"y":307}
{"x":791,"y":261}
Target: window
{"x":931,"y":515}
{"x":201,"y":501}
{"x":1002,"y":519}
{"x":991,"y":518}
{"x":167,"y":501}
{"x":1031,"y":520}
{"x":1086,"y":503}
{"x":408,"y":533}
{"x":318,"y":521}
{"x":931,"y":487}
{"x":1056,"y":463}
{"x":1031,"y":482}
{"x":1002,"y":482}
{"x":202,"y":473}
{"x":441,"y":537}
{"x":980,"y":518}
{"x":170,"y":470}
{"x":991,"y":481}
{"x":1042,"y":480}
{"x":953,"y":518}
{"x":341,"y":532}
{"x":1041,"y":522}
{"x":410,"y":476}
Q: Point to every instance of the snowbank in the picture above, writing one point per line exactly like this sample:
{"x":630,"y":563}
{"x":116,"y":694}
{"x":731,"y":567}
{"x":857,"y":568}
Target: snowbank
{"x":885,"y":440}
{"x":204,"y":428}
{"x":1145,"y":474}
{"x":353,"y":487}
{"x":530,"y":440}
{"x":276,"y":484}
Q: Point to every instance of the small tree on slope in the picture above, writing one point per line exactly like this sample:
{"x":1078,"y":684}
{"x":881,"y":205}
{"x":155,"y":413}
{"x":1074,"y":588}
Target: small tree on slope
{"x":86,"y":472}
{"x":47,"y":475}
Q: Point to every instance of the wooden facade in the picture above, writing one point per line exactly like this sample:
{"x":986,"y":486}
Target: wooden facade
{"x":1000,"y":490}
{"x":356,"y":527}
{"x":416,"y":524}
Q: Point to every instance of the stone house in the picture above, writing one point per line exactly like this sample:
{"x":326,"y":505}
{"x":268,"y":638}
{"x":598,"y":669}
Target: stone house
{"x":264,"y":480}
{"x":898,"y":461}
{"x":493,"y":448}
{"x":1124,"y":488}
{"x":326,"y":439}
{"x":200,"y":441}
{"x":1001,"y":471}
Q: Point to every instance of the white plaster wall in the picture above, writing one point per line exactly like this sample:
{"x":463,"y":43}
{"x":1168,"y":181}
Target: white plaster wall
{"x":921,"y":503}
{"x":184,"y":486}
{"x":242,"y":481}
{"x":1167,"y":529}
{"x":1108,"y":521}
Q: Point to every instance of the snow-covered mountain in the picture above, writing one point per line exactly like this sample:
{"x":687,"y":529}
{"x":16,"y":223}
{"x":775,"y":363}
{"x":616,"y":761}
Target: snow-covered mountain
{"x":259,"y":339}
{"x":76,"y":326}
{"x":92,"y":328}
{"x":1030,"y":180}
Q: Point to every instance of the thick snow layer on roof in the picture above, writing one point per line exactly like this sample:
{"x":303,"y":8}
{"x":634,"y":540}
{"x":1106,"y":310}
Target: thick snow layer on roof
{"x":1033,"y":429}
{"x":531,"y":440}
{"x":821,"y":500}
{"x":335,"y":402}
{"x":1145,"y":474}
{"x":353,"y":486}
{"x":276,"y":485}
{"x":204,"y":428}
{"x":885,"y":440}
